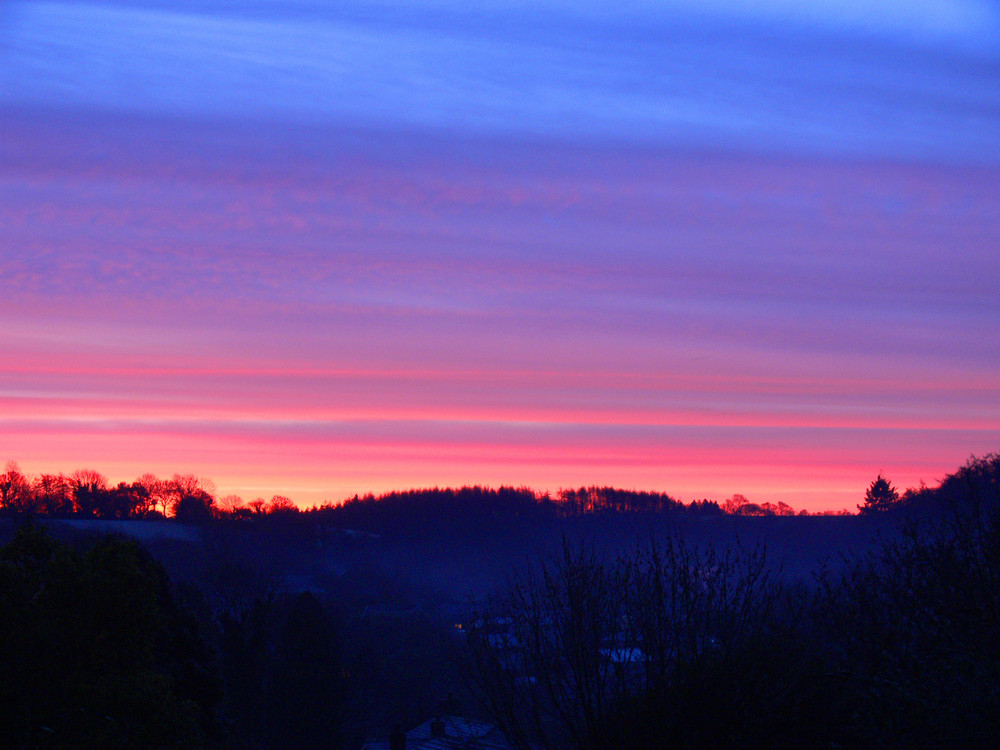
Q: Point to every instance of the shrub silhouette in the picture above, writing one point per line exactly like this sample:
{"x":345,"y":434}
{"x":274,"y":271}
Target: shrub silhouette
{"x":94,"y":652}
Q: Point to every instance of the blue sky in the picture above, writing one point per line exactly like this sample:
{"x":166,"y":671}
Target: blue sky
{"x":918,"y":79}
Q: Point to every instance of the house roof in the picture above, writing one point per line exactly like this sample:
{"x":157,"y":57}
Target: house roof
{"x":459,"y":733}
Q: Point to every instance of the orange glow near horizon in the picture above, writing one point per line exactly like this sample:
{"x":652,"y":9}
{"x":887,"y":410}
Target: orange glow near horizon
{"x":315,"y":472}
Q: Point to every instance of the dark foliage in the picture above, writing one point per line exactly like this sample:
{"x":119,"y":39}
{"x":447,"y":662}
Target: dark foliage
{"x":773,"y":691}
{"x":95,"y":653}
{"x":689,"y":641}
{"x":194,"y":507}
{"x":588,"y":652}
{"x":881,"y":496}
{"x":284,"y":679}
{"x":680,"y":647}
{"x":915,"y":629}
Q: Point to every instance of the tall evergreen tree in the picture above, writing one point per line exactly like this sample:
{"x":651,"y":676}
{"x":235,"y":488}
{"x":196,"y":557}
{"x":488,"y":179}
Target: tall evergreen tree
{"x":881,"y":495}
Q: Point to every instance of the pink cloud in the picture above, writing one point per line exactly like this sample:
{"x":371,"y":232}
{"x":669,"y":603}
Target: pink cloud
{"x":359,"y":308}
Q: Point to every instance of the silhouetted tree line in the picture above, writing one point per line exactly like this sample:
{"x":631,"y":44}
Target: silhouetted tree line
{"x":974,"y":485}
{"x":611,"y":500}
{"x":87,"y":494}
{"x":414,"y":511}
{"x":673,"y":645}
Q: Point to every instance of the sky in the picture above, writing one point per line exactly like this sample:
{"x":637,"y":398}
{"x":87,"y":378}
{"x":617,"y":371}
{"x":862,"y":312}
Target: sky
{"x":324,"y":248}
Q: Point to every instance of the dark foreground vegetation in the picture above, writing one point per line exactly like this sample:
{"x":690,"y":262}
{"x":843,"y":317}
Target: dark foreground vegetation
{"x":674,"y":646}
{"x":96,"y":652}
{"x":595,"y":619}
